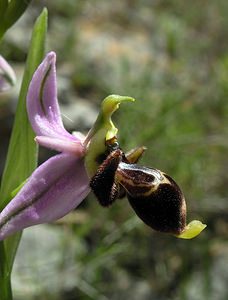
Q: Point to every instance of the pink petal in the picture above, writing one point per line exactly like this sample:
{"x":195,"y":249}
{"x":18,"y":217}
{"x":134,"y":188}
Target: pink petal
{"x":54,"y":189}
{"x":42,"y":105}
{"x":69,"y":146}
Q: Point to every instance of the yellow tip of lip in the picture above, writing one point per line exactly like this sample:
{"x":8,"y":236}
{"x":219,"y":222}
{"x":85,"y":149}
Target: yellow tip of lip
{"x":193,"y":229}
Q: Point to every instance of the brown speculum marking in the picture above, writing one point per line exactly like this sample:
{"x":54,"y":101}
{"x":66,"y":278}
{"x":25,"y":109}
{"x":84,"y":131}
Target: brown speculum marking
{"x":154,"y":196}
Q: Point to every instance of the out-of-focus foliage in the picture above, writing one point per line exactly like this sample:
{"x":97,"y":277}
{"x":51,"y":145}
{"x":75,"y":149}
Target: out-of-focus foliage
{"x":172,"y":56}
{"x":10,"y":12}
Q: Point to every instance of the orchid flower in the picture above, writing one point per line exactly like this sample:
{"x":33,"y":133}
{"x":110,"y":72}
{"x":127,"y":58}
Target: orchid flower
{"x":88,"y":162}
{"x":7,"y":75}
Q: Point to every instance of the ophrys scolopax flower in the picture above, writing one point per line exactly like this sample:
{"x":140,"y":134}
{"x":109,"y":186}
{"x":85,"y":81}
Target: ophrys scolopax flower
{"x":93,"y":162}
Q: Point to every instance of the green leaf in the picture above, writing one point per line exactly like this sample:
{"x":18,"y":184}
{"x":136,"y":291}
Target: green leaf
{"x":10,"y":12}
{"x":22,"y":154}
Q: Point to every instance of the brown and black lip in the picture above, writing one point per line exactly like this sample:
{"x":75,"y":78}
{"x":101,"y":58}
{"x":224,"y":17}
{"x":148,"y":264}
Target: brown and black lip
{"x":154,"y":195}
{"x":163,"y":210}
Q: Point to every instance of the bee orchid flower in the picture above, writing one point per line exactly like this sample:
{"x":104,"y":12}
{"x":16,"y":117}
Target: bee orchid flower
{"x":89,"y":162}
{"x":7,"y":75}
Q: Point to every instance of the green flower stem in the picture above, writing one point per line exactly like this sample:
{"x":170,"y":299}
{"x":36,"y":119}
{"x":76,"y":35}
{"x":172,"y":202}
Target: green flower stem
{"x":5,"y":285}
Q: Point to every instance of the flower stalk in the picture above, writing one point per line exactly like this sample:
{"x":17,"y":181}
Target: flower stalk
{"x":5,"y":283}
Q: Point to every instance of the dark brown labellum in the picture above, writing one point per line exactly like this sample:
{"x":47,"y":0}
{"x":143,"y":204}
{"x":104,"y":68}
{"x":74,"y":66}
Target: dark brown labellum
{"x":162,"y":210}
{"x":155,"y":197}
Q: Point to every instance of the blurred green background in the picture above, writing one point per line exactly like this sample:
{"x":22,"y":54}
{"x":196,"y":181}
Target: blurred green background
{"x":172,"y":56}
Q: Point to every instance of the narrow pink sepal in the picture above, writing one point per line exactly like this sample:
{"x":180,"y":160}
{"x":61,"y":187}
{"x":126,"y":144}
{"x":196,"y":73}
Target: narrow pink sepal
{"x":54,"y":189}
{"x":42,"y":105}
